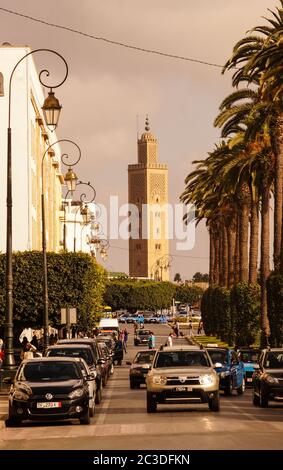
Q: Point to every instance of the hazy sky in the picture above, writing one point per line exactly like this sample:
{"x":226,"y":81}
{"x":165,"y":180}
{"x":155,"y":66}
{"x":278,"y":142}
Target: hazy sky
{"x":109,"y":86}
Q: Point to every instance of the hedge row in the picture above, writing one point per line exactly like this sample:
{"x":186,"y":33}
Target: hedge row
{"x":233,"y":316}
{"x":74,"y":280}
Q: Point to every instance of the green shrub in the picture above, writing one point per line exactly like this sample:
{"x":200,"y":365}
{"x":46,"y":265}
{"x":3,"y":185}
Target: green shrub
{"x":245,"y":309}
{"x":74,"y":280}
{"x":275,"y":308}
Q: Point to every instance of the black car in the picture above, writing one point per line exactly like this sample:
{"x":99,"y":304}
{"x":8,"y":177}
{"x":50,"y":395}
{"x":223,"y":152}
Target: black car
{"x":48,"y":388}
{"x":268,"y":377}
{"x":107,"y":358}
{"x":141,"y":337}
{"x":140,"y":367}
{"x":85,"y":351}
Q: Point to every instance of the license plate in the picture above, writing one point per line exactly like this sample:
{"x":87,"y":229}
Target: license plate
{"x":249,"y":379}
{"x":52,"y":404}
{"x":183,"y":389}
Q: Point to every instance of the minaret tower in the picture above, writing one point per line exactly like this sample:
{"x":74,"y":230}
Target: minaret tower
{"x":148,"y":191}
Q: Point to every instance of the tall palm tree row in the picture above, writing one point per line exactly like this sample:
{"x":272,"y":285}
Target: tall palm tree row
{"x":232,"y":186}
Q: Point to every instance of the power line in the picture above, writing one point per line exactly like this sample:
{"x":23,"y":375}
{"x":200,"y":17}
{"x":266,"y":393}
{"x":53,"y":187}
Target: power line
{"x":109,"y":41}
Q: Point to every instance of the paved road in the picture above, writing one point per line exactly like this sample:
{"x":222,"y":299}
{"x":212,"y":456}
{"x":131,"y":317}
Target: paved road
{"x":121,"y":422}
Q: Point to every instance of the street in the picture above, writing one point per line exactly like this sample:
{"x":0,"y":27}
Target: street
{"x":121,"y":421}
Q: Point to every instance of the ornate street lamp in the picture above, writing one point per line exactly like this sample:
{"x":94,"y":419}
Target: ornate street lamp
{"x":45,"y":279}
{"x":52,"y":116}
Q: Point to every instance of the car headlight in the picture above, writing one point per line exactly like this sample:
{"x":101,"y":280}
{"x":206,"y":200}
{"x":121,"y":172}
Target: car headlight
{"x":160,"y":380}
{"x":206,"y":379}
{"x":271,"y":380}
{"x":78,"y":393}
{"x":225,"y":374}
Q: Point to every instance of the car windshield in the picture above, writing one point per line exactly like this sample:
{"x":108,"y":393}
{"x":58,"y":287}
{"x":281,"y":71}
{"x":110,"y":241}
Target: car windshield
{"x":249,"y":356}
{"x":143,"y":332}
{"x":182,"y":359}
{"x":48,"y":371}
{"x":218,"y":355}
{"x":72,"y":352}
{"x":144,"y":357}
{"x":274,"y":360}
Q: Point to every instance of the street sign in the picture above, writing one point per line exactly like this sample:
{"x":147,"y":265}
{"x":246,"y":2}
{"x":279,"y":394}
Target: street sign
{"x":68,"y":316}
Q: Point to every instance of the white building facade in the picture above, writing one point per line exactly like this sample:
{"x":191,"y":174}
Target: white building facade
{"x":30,"y":139}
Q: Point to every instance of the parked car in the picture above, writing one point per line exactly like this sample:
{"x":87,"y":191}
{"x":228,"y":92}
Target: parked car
{"x":182,"y":374}
{"x":108,"y":340}
{"x":48,"y":388}
{"x":268,"y":377}
{"x":229,"y":368}
{"x":140,"y":367}
{"x":77,"y":349}
{"x":141,"y":337}
{"x":90,"y":377}
{"x":250,"y":357}
{"x":107,"y":358}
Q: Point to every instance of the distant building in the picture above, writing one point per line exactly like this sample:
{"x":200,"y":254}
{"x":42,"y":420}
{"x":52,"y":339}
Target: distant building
{"x":30,"y":139}
{"x":148,"y":191}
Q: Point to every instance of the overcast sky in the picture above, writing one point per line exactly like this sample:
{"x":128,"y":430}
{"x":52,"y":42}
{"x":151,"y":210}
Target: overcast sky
{"x":109,"y":86}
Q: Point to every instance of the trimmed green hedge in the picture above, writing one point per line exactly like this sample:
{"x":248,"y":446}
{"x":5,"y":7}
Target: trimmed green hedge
{"x":275,"y":309}
{"x":233,"y":316}
{"x":74,"y":280}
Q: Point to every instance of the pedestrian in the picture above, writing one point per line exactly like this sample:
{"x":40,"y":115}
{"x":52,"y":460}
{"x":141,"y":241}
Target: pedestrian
{"x":200,"y":327}
{"x":177,"y":329}
{"x":190,"y":327}
{"x":126,"y":335}
{"x":28,"y":349}
{"x":169,"y":341}
{"x":34,"y":341}
{"x":151,"y":340}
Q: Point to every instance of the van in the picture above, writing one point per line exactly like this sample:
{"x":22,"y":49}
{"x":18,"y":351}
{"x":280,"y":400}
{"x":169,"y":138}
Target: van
{"x":109,"y":325}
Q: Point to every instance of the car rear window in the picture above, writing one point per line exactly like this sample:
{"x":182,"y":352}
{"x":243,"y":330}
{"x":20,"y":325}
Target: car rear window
{"x":48,"y":371}
{"x":143,"y":332}
{"x":182,"y":359}
{"x":85,"y":353}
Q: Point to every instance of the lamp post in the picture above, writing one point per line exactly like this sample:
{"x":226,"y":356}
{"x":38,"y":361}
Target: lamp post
{"x":43,"y":227}
{"x":84,"y":210}
{"x":51,"y":110}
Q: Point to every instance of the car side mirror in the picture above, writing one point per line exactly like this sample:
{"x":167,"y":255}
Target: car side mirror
{"x":128,"y":363}
{"x":91,"y":376}
{"x":101,"y":361}
{"x":218,"y":364}
{"x":8,"y":380}
{"x":256,"y":367}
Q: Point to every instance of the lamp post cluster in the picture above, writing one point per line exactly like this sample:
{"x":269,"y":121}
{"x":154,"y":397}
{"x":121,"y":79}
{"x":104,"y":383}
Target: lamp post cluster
{"x":96,"y":241}
{"x":51,"y":110}
{"x":160,"y":266}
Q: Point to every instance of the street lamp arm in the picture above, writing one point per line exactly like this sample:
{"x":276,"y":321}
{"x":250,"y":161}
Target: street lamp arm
{"x":83,"y":195}
{"x":46,"y":72}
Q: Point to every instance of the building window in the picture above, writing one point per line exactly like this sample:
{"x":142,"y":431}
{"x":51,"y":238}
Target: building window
{"x":1,"y":84}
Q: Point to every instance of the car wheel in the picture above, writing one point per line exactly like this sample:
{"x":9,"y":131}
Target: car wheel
{"x":92,"y":408}
{"x":263,"y":399}
{"x":98,"y":395}
{"x":256,"y":400}
{"x":214,"y":403}
{"x":241,"y":389}
{"x":85,"y":419}
{"x":228,"y":391}
{"x":104,"y":380}
{"x":119,"y":363}
{"x":151,"y":405}
{"x":132,"y":384}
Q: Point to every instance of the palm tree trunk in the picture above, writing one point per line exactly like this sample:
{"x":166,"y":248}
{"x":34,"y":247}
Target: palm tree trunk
{"x":264,"y":265}
{"x":231,"y":237}
{"x":216,"y":260}
{"x":220,"y":253}
{"x":243,"y":240}
{"x":237,"y":252}
{"x":224,"y":255}
{"x":254,"y":243}
{"x":278,"y":195}
{"x":211,"y":257}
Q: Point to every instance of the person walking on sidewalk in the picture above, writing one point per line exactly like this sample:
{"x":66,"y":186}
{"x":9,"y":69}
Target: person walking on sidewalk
{"x":169,"y":341}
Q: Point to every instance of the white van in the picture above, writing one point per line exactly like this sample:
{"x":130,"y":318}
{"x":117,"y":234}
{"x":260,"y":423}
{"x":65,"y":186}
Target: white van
{"x":109,"y":325}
